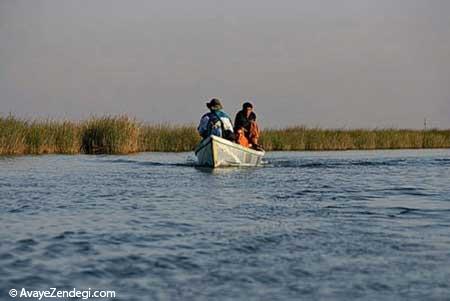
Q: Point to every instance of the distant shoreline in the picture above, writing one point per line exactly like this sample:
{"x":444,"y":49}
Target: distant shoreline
{"x":124,"y":135}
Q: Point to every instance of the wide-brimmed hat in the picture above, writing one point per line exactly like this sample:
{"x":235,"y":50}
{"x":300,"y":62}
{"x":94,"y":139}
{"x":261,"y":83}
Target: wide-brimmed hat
{"x":214,"y":104}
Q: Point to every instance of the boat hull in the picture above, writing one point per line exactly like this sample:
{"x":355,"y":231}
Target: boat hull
{"x":218,"y":152}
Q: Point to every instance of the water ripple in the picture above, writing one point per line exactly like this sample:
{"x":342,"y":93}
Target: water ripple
{"x":315,"y":225}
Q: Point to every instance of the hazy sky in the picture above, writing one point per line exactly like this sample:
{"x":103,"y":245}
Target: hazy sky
{"x":347,"y":63}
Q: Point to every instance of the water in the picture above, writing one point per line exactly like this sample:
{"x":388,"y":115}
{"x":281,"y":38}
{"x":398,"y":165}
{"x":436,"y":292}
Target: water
{"x":313,"y":225}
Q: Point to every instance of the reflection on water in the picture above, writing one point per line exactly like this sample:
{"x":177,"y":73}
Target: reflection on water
{"x":153,"y":226}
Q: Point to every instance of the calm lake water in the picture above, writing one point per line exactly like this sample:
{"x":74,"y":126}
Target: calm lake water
{"x":308,"y":225}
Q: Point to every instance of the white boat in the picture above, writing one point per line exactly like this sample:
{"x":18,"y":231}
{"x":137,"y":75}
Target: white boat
{"x":218,"y":152}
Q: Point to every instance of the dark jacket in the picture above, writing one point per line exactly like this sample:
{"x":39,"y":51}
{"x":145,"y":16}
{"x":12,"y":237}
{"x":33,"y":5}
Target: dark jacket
{"x":241,"y":121}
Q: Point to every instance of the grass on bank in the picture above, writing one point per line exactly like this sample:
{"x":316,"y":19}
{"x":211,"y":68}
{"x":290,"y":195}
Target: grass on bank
{"x":168,"y":138}
{"x":18,"y":136}
{"x":109,"y":135}
{"x":123,"y":135}
{"x":309,"y":139}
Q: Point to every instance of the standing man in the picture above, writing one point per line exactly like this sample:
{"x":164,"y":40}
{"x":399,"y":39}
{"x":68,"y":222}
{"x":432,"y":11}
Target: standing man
{"x":245,"y":124}
{"x":216,"y":122}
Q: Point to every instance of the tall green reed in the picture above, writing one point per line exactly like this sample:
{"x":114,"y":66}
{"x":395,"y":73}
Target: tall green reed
{"x":302,"y":138}
{"x":168,"y":138}
{"x":123,"y":135}
{"x":110,"y":135}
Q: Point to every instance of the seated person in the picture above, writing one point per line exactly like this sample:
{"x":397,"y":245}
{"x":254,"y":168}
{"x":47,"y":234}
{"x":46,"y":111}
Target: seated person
{"x":216,"y":122}
{"x":246,"y":120}
{"x":240,"y":137}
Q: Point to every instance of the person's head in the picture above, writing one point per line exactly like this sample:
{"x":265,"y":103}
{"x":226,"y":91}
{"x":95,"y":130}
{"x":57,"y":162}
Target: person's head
{"x":240,"y":130}
{"x":247,"y":108}
{"x":214,"y":105}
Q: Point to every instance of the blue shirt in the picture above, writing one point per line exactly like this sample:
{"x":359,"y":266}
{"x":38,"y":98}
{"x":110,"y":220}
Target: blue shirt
{"x":211,"y":124}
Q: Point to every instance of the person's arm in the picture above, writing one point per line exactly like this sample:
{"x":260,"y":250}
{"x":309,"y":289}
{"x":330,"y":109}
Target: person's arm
{"x":238,"y":121}
{"x":203,"y":126}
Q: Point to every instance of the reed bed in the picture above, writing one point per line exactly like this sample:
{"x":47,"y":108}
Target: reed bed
{"x":18,"y":136}
{"x":123,"y":135}
{"x":109,"y":135}
{"x":168,"y":138}
{"x":310,"y":139}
